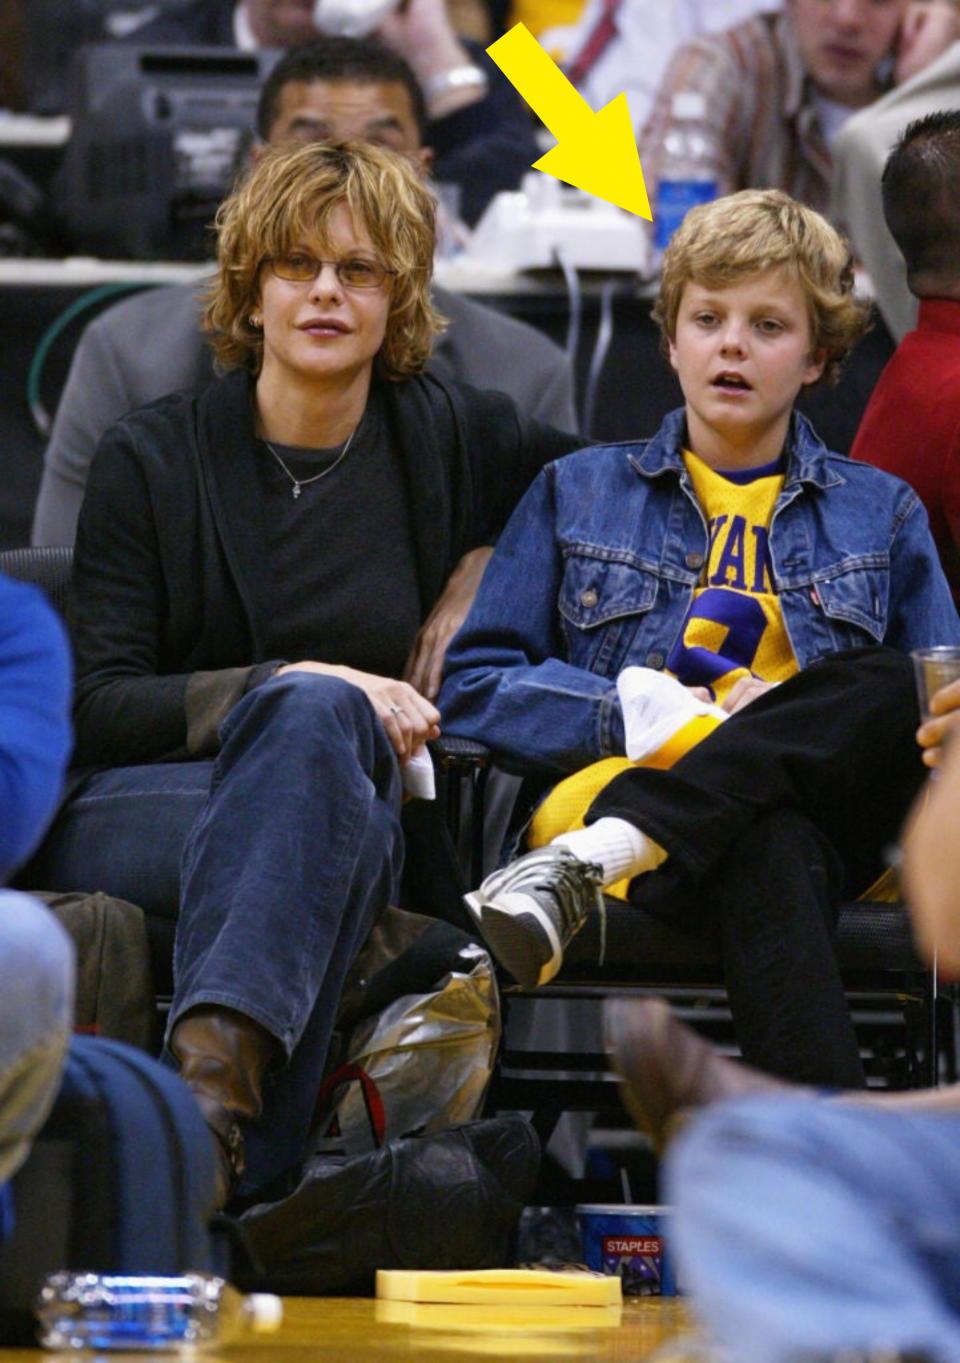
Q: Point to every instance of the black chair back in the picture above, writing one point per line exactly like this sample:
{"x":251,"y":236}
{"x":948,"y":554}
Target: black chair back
{"x":47,"y":566}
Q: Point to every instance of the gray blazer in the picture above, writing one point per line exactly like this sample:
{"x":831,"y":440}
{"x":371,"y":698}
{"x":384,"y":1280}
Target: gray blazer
{"x":860,"y":151}
{"x":152,"y":344}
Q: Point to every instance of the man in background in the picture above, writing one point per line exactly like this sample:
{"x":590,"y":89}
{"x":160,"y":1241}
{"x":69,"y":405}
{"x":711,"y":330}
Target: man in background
{"x":626,"y":45}
{"x":778,"y":87}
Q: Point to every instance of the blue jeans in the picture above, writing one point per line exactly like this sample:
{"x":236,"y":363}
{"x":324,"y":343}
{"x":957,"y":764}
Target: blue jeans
{"x":36,"y":1014}
{"x":807,"y":1225}
{"x":286,"y":848}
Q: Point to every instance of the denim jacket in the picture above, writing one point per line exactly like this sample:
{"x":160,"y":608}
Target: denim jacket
{"x":597,"y":567}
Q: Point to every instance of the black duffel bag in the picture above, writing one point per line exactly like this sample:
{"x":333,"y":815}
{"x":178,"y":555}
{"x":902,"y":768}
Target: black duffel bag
{"x":447,"y":1200}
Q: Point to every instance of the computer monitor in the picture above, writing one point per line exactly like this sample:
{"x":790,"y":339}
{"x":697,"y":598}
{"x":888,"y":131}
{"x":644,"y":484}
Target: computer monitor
{"x":158,"y":137}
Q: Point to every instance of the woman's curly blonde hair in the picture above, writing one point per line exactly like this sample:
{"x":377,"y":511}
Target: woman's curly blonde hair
{"x":723,"y":242}
{"x":289,"y":195}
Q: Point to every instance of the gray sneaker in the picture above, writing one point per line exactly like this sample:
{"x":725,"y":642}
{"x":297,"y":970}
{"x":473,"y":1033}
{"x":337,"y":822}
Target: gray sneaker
{"x":528,"y":911}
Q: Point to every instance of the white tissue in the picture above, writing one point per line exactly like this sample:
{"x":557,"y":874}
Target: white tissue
{"x":418,"y":778}
{"x":655,"y":705}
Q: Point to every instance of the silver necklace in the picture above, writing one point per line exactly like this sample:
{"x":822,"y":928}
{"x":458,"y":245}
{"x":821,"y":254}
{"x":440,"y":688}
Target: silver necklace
{"x":300,"y":483}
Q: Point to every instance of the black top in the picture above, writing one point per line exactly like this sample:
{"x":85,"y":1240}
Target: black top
{"x":340,"y":556}
{"x":171,"y":607}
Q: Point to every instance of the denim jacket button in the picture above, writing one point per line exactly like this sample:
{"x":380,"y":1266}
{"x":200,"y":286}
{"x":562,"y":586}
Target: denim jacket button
{"x":589,"y":597}
{"x":654,"y":660}
{"x":694,"y":560}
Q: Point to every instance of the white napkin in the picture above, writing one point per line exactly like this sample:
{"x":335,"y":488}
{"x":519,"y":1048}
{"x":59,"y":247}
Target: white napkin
{"x":418,"y":779}
{"x":655,"y":705}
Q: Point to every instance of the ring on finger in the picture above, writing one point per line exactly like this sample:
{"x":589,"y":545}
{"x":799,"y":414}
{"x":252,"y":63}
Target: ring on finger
{"x":397,"y":710}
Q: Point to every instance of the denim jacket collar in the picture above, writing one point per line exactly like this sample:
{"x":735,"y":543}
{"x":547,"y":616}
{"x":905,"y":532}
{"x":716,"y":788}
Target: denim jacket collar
{"x":807,"y":455}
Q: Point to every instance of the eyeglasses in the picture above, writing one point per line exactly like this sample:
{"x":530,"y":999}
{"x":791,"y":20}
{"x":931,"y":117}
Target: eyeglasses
{"x":299,"y":267}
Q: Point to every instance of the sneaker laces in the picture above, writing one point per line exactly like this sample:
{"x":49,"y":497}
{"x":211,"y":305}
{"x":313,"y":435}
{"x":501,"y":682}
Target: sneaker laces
{"x":572,"y":876}
{"x":568,"y":889}
{"x":562,"y":875}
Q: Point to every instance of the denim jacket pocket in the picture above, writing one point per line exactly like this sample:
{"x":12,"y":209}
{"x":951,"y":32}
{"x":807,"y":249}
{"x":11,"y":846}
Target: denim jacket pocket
{"x":599,"y":599}
{"x":854,"y":599}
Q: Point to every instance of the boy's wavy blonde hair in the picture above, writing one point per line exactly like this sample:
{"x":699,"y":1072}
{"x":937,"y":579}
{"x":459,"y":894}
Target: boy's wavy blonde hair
{"x":288,"y":196}
{"x":724,"y":242}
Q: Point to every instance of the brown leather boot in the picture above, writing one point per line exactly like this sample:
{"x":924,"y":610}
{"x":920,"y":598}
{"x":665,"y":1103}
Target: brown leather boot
{"x":223,"y":1057}
{"x":668,"y":1069}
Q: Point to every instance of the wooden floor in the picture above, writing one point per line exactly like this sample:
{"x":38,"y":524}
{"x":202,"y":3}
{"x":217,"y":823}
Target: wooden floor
{"x":350,"y":1330}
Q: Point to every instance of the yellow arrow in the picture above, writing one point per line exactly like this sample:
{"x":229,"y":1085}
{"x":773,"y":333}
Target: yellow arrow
{"x":596,"y":152}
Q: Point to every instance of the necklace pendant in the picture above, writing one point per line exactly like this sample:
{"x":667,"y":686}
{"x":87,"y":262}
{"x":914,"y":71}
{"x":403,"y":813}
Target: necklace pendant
{"x":296,"y":491}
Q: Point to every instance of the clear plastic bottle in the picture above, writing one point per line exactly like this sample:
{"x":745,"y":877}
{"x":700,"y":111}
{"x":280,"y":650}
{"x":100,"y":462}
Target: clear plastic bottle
{"x":689,"y":174}
{"x":106,"y":1311}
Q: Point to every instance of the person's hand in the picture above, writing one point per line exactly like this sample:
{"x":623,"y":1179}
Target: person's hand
{"x":944,"y":718}
{"x":930,"y":868}
{"x":425,"y":664}
{"x":408,"y":718}
{"x":740,"y":694}
{"x":416,"y":27}
{"x":421,"y":32}
{"x":743,"y":692}
{"x":928,"y":29}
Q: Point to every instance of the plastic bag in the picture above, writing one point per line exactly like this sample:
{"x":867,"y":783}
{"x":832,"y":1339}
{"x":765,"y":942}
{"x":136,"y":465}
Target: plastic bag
{"x":423,"y":1061}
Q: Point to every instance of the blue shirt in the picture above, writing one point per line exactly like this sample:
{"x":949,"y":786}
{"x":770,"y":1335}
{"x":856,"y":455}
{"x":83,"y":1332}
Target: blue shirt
{"x":35,"y":731}
{"x":597,"y":567}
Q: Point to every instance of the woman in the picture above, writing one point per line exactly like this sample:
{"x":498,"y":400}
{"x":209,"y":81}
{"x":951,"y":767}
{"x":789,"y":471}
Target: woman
{"x":252,"y":568}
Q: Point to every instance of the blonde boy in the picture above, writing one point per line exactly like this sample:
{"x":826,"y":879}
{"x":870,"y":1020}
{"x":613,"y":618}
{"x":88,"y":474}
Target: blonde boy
{"x":756,"y":302}
{"x":730,"y":552}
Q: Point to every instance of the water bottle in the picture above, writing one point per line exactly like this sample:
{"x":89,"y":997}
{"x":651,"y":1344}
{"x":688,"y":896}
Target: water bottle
{"x":689,"y":175}
{"x":106,"y":1311}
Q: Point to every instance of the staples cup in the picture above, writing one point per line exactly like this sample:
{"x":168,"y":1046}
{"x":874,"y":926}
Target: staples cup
{"x":632,"y":1242}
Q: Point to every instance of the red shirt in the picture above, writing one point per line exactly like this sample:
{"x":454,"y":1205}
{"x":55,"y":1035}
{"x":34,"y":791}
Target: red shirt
{"x":911,"y":426}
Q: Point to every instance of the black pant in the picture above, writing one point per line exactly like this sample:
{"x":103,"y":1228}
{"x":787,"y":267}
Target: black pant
{"x":782,"y":812}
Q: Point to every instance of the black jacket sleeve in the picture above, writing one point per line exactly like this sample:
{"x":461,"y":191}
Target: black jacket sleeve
{"x":130,"y":704}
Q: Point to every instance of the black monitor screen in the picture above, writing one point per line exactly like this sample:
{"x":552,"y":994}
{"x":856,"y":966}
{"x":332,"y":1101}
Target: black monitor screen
{"x":158,"y":137}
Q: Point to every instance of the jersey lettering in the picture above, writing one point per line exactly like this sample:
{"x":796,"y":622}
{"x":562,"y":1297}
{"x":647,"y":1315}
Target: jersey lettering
{"x":732,"y":556}
{"x":733,"y":645}
{"x":735,"y":626}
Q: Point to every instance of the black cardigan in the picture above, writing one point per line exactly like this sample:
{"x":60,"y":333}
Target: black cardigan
{"x":168,"y":604}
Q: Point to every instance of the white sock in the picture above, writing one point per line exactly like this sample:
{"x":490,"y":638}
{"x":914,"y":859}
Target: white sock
{"x":616,"y":845}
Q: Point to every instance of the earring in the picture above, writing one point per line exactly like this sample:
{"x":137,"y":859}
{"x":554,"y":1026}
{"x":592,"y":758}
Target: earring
{"x":255,"y":320}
